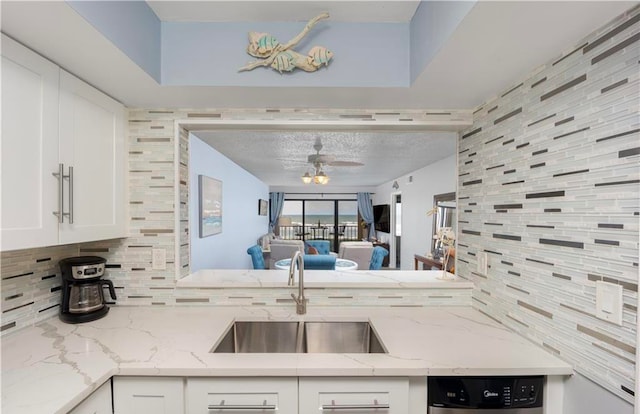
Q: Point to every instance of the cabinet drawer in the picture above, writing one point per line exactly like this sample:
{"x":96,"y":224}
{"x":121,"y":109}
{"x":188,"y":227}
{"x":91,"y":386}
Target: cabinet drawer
{"x":336,"y":395}
{"x":246,"y":395}
{"x":158,"y":395}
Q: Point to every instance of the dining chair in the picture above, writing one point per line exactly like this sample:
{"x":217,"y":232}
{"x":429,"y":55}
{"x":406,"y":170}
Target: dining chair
{"x":320,"y":262}
{"x":321,"y":246}
{"x":377,"y":257}
{"x":257,"y":258}
{"x":359,"y":252}
{"x":284,"y":249}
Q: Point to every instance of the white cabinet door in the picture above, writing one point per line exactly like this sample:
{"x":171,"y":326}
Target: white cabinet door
{"x":97,"y":403}
{"x":157,"y":395}
{"x":355,"y":394}
{"x":29,"y":148}
{"x":92,"y":144}
{"x":242,"y":395}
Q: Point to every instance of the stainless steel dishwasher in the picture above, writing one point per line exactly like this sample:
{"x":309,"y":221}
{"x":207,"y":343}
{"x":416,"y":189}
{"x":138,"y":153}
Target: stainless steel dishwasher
{"x":485,"y":395}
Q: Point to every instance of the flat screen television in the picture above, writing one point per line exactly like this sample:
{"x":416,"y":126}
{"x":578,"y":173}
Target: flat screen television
{"x":382,"y":218}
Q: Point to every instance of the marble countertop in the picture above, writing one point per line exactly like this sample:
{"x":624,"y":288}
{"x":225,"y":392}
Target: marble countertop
{"x":53,"y":366}
{"x":243,"y":278}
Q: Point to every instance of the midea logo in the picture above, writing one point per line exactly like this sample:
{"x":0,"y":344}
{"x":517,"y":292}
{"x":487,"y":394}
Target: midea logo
{"x":488,"y":394}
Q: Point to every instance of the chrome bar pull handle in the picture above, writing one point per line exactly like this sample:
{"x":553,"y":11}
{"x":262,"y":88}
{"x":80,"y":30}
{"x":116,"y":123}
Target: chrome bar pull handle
{"x":70,"y":213}
{"x":59,"y":175}
{"x":244,"y":407}
{"x":375,"y":406}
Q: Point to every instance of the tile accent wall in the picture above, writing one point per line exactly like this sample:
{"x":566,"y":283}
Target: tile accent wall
{"x":185,"y":250}
{"x":549,"y":179}
{"x":31,"y":278}
{"x":346,"y":297}
{"x":31,"y":285}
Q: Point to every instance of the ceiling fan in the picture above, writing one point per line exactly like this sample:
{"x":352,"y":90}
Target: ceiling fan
{"x":319,"y":160}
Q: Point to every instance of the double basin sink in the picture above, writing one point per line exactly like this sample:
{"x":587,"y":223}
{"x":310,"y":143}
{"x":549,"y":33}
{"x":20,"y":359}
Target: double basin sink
{"x":299,"y":337}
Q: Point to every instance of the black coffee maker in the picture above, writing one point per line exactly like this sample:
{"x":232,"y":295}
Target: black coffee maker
{"x":82,"y":289}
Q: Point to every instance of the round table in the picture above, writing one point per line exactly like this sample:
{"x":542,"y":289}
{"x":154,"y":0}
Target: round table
{"x":341,"y":264}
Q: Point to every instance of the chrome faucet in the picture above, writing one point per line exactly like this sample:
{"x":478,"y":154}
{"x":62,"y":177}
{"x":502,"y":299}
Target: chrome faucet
{"x":301,"y":302}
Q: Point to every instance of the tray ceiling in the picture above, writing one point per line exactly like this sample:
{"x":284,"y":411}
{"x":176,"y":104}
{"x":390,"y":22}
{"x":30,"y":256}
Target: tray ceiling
{"x":275,"y":11}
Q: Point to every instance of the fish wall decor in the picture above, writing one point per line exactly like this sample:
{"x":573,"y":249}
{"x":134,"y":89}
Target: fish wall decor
{"x":282,"y":57}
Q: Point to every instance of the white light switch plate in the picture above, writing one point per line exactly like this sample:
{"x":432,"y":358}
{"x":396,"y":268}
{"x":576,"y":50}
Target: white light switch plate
{"x":483,"y":263}
{"x":159,"y":259}
{"x":609,"y":302}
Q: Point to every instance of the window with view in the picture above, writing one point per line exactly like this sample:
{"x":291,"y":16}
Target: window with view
{"x":333,"y":220}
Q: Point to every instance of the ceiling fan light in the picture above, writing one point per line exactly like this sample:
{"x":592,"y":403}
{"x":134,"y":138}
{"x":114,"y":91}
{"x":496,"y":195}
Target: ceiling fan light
{"x":321,"y":178}
{"x":306,"y":178}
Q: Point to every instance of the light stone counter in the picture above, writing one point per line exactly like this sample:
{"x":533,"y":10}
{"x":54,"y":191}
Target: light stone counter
{"x":383,"y":279}
{"x":51,"y":367}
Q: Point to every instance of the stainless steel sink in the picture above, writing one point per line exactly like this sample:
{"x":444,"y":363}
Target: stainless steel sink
{"x":341,"y":338}
{"x":299,"y":337}
{"x":260,"y":337}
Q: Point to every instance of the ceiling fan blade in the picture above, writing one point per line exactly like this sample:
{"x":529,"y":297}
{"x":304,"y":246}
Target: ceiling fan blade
{"x":321,"y":158}
{"x":292,"y":161}
{"x":338,"y":163}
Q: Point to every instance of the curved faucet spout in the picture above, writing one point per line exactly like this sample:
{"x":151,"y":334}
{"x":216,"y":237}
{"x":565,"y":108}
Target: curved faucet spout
{"x":301,"y":302}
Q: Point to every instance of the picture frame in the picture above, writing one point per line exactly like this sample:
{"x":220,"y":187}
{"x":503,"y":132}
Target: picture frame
{"x":263,"y":207}
{"x":210,"y":197}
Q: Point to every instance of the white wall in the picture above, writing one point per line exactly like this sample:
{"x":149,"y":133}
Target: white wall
{"x":582,"y":396}
{"x":241,"y":224}
{"x":417,"y":199}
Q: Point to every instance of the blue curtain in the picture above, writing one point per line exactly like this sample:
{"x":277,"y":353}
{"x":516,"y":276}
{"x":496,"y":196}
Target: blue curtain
{"x":365,"y":207}
{"x":276,"y":202}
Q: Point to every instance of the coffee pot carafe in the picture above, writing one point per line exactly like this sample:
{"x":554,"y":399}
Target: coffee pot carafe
{"x":82,"y":289}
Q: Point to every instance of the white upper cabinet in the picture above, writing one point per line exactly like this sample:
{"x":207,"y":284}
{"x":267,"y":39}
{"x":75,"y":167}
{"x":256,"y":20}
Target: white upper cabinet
{"x":29,"y":148}
{"x":92,"y":146}
{"x":63,"y":156}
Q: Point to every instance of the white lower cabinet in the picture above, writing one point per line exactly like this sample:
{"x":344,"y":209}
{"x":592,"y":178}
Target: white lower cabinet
{"x":157,"y":395}
{"x":97,"y":403}
{"x":354,"y":394}
{"x":242,"y":395}
{"x":278,"y":395}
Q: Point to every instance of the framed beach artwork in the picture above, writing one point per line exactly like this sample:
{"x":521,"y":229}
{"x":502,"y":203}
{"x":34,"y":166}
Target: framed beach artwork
{"x":210,"y":193}
{"x":263,"y":207}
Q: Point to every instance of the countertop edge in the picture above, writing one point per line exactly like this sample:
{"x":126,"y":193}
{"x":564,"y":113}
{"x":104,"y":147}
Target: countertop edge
{"x":154,"y":330}
{"x":385,"y":279}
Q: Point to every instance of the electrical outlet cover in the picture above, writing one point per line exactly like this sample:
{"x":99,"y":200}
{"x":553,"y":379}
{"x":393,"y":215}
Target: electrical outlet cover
{"x":483,"y":263}
{"x":159,"y":259}
{"x":609,"y":302}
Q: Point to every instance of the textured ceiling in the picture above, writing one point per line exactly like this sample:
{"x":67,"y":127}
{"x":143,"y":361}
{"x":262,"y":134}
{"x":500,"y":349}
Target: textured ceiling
{"x":492,"y":49}
{"x":276,"y":11}
{"x":280,"y":158}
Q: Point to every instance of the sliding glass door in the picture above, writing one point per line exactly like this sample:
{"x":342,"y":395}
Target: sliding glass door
{"x":347,"y":225}
{"x":333,"y":220}
{"x":290,"y":220}
{"x":319,"y":218}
